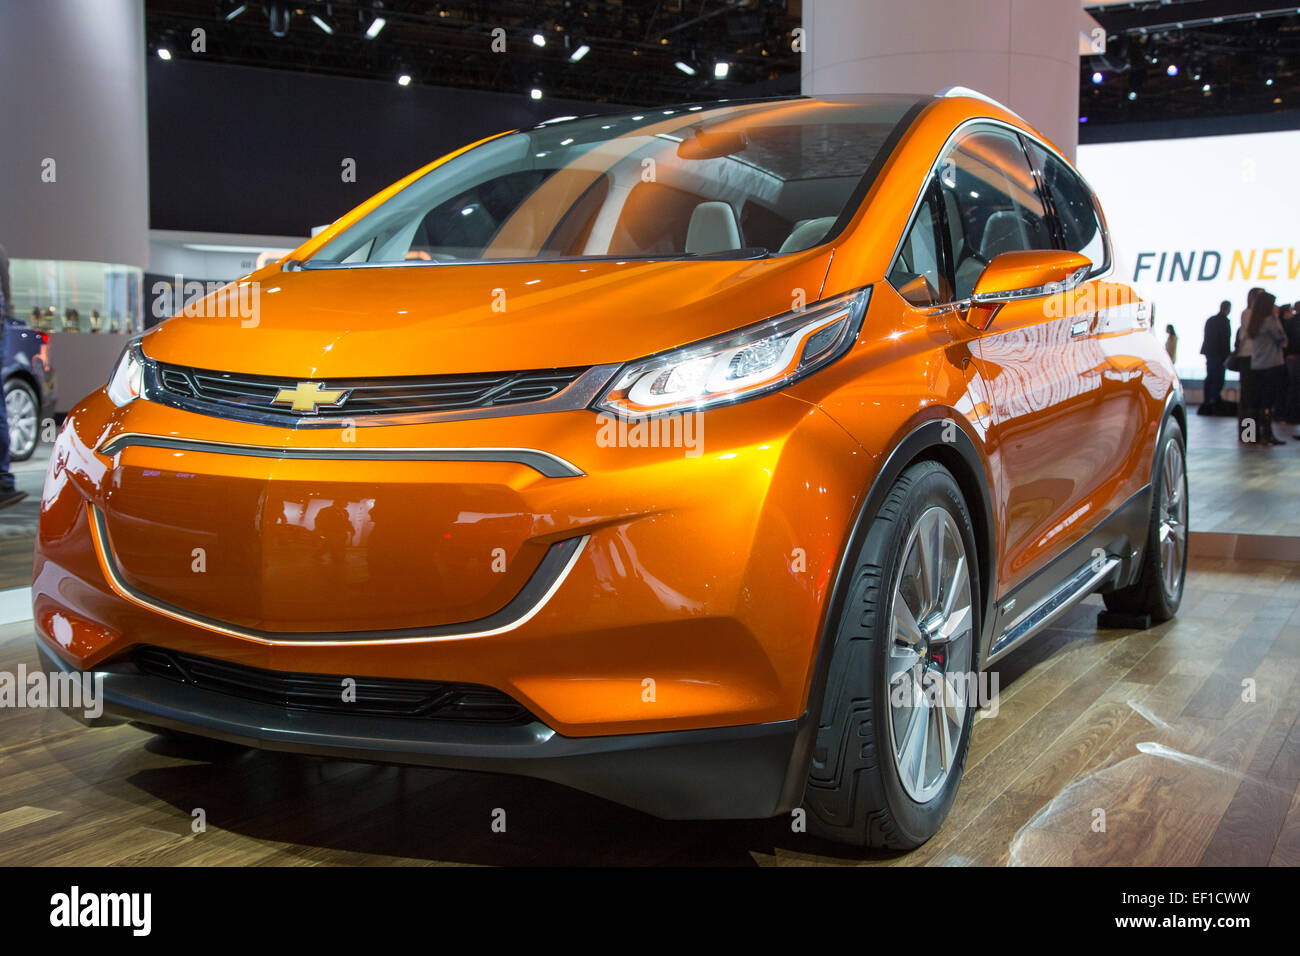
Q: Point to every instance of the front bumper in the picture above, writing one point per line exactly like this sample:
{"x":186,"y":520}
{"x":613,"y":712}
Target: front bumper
{"x":750,"y":771}
{"x":695,"y":602}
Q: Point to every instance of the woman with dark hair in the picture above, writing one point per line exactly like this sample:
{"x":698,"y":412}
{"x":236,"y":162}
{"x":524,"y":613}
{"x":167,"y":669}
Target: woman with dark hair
{"x":1267,"y":365}
{"x":1240,"y":363}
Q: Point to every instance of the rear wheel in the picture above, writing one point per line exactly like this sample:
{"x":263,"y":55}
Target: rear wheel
{"x":896,"y":715}
{"x":1159,"y":587}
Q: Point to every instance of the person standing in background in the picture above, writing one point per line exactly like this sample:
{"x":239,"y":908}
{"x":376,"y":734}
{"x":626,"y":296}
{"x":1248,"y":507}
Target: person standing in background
{"x":1171,"y":343}
{"x":1216,"y":346}
{"x":1241,"y":365}
{"x":1291,"y":326}
{"x":9,"y":493}
{"x":1267,"y":372}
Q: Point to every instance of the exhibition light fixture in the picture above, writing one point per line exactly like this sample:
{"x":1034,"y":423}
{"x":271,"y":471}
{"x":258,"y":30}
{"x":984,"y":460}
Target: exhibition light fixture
{"x":1097,"y":77}
{"x":721,"y":69}
{"x":1132,"y":95}
{"x":579,"y":53}
{"x":535,"y":93}
{"x":685,"y":68}
{"x":377,"y":24}
{"x":1172,"y":69}
{"x":539,"y":40}
{"x":325,"y":27}
{"x":1205,"y":88}
{"x":236,"y":11}
{"x":164,"y":53}
{"x":279,"y":16}
{"x":404,"y":80}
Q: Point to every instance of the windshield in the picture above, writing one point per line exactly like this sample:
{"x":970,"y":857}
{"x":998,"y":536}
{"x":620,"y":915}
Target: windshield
{"x":729,"y":181}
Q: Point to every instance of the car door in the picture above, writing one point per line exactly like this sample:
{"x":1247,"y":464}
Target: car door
{"x":1041,"y":381}
{"x":1121,"y":349}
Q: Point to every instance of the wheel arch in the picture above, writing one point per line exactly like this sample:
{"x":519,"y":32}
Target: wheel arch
{"x":26,"y":377}
{"x":941,"y":435}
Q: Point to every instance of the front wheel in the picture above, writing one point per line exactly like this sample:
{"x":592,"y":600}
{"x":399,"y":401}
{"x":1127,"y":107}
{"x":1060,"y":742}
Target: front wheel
{"x":897,"y":711}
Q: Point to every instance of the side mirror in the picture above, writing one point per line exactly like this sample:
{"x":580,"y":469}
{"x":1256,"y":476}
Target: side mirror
{"x":1029,"y":274}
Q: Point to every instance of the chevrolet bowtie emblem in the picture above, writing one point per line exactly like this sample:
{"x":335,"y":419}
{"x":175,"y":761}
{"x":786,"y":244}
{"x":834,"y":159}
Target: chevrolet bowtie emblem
{"x":308,"y":396}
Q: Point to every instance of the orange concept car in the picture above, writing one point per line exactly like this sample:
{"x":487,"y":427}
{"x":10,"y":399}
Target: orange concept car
{"x":701,"y":459}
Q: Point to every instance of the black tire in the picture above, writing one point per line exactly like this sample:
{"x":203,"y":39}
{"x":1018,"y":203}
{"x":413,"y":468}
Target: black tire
{"x":22,"y":450}
{"x":854,"y":793}
{"x":1150,"y":594}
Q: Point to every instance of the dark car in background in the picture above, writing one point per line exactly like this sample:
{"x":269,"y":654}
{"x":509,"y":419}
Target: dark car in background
{"x":29,"y":385}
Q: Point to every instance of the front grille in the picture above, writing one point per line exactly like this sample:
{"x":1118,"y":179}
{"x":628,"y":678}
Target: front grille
{"x":366,"y":396}
{"x":323,"y":693}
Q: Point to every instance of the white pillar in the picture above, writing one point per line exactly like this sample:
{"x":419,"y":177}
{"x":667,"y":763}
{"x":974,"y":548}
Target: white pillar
{"x":1024,"y":53}
{"x":72,"y":92}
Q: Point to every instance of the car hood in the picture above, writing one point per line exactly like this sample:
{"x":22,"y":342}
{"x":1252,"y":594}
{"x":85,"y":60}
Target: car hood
{"x":440,"y":319}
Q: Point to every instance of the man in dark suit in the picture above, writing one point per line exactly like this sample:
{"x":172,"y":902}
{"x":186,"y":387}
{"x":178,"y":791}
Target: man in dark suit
{"x":9,"y":494}
{"x":1216,"y":347}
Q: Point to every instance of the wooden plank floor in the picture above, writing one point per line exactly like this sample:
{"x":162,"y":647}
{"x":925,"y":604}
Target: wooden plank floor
{"x":1241,"y":489}
{"x":18,"y":522}
{"x":1148,"y":727}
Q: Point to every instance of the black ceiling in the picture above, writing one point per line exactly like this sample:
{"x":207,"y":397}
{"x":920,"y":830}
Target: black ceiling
{"x":1161,"y":57}
{"x":1248,"y":53}
{"x":634,"y":44}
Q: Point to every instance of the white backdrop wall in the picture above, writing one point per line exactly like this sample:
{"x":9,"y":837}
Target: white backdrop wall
{"x":1198,"y":220}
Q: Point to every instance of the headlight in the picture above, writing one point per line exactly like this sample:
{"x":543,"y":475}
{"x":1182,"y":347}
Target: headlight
{"x":127,"y":380}
{"x":739,"y":365}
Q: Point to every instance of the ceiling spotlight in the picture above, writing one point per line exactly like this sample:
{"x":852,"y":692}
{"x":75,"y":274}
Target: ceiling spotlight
{"x":325,"y":27}
{"x":164,"y":53}
{"x":579,"y":53}
{"x":1097,"y":77}
{"x":279,"y":14}
{"x":1205,"y":88}
{"x":721,"y":69}
{"x":236,"y":11}
{"x":1171,"y":69}
{"x":1132,"y":95}
{"x":685,"y":68}
{"x":1269,"y":81}
{"x":535,"y":93}
{"x":404,"y":80}
{"x":377,"y":24}
{"x":539,"y":40}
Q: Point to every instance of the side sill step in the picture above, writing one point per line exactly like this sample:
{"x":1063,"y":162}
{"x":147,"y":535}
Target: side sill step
{"x":1073,"y":589}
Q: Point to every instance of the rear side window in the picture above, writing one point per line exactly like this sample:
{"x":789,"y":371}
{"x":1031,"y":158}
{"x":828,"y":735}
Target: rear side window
{"x":1076,"y":209}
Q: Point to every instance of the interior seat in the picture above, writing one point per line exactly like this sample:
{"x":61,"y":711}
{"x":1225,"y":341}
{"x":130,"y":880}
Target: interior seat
{"x":807,"y":233}
{"x":1003,"y":232}
{"x":712,"y":228}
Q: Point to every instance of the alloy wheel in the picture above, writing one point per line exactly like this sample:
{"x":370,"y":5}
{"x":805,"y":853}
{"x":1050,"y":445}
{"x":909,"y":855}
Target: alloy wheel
{"x":1173,"y":518}
{"x":930,"y":653}
{"x":23,"y":423}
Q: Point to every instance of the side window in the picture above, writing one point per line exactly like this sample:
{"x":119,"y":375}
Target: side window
{"x":992,"y":203}
{"x":1076,"y":209}
{"x":918,"y":273}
